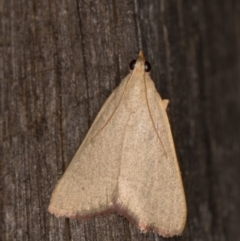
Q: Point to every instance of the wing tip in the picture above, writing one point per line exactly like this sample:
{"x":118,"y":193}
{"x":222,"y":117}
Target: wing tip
{"x":77,"y":214}
{"x":144,"y":226}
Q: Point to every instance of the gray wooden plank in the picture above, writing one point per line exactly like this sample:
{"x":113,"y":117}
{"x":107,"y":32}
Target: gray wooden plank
{"x":59,"y":62}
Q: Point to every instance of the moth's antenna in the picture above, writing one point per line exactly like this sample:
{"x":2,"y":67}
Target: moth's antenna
{"x":139,"y":34}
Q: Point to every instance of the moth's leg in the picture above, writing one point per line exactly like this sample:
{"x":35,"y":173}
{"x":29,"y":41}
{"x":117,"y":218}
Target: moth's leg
{"x":165,"y":103}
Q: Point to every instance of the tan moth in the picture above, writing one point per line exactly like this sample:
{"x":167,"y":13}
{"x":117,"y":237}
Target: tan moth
{"x":127,"y":162}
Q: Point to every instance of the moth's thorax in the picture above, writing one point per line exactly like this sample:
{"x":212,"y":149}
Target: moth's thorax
{"x":135,"y":92}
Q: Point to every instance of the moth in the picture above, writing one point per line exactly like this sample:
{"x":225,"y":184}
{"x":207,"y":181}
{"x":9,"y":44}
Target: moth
{"x":127,"y":162}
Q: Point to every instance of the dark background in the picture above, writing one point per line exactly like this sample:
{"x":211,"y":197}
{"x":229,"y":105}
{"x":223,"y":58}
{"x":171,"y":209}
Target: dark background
{"x":60,"y":60}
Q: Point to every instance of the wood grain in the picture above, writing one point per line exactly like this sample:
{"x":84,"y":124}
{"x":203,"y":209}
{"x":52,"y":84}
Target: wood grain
{"x":60,"y":60}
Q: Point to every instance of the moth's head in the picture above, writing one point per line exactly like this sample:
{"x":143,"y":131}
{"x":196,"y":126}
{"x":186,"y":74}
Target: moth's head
{"x":140,"y":64}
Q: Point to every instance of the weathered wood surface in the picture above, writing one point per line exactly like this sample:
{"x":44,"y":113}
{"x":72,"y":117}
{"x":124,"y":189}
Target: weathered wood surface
{"x":60,"y":60}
